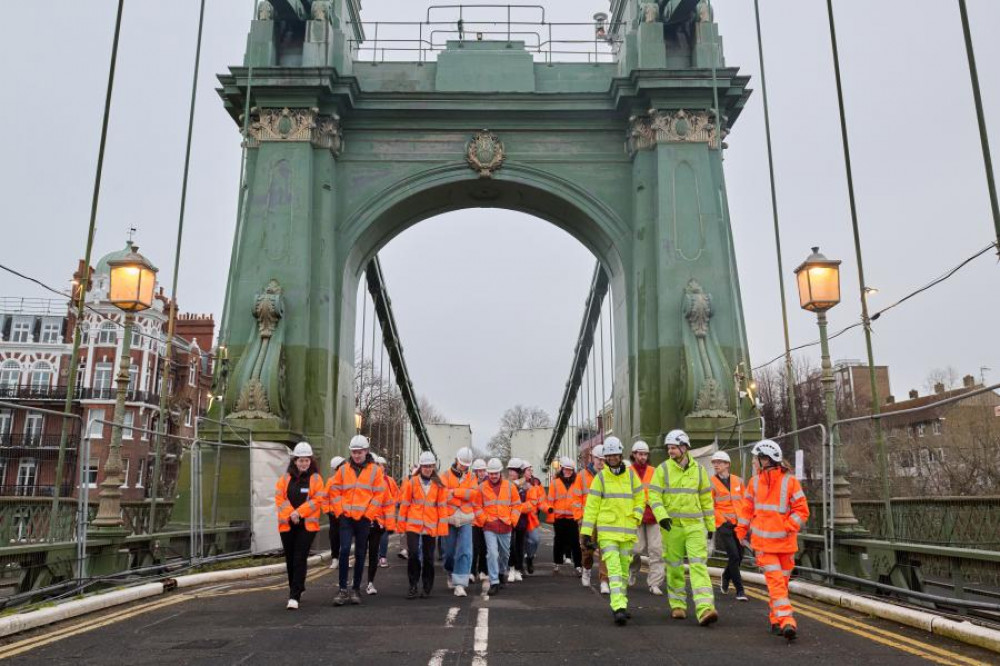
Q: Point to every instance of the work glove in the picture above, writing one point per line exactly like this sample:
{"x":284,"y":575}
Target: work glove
{"x":588,"y":542}
{"x":666,"y":524}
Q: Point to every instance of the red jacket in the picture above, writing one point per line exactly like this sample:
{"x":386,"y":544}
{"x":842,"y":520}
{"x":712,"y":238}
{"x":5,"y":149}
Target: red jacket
{"x":645,"y":472}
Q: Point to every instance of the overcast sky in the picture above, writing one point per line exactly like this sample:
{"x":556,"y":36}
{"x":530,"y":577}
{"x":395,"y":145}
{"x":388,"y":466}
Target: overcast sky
{"x":489,"y":302}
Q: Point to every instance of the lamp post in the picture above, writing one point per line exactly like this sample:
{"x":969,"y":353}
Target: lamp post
{"x":818,"y":280}
{"x":133,"y":279}
{"x":358,"y":420}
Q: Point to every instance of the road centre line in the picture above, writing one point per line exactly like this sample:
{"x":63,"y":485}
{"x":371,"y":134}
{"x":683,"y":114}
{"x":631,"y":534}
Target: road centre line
{"x":878,"y":635}
{"x":482,"y":639}
{"x":452,"y":614}
{"x":437,"y":659}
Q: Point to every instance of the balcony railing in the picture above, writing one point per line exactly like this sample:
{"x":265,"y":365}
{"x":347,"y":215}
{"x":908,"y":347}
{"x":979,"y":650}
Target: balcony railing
{"x":59,"y":393}
{"x":34,"y":306}
{"x":30,"y":440}
{"x":27,"y":490}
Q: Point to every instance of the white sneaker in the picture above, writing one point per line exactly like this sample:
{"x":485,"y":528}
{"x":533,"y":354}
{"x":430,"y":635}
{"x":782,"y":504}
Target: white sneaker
{"x":566,"y":560}
{"x":472,"y":578}
{"x":511,"y":576}
{"x":484,"y":577}
{"x":579,"y":571}
{"x":631,"y":580}
{"x":403,"y":554}
{"x":382,"y":563}
{"x":656,"y":592}
{"x":519,"y":575}
{"x":335,"y":563}
{"x":585,"y":578}
{"x":605,"y":588}
{"x":555,"y":569}
{"x":292,"y":604}
{"x":451,"y":585}
{"x":371,"y":589}
{"x":459,"y":591}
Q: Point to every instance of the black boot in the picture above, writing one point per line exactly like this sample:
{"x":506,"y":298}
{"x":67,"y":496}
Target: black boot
{"x":776,"y":629}
{"x":529,"y":565}
{"x":789,"y":633}
{"x":620,"y":618}
{"x":494,"y":589}
{"x":412,"y":592}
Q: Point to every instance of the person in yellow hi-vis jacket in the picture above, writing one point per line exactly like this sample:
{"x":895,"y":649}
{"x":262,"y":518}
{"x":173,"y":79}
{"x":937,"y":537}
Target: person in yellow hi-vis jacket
{"x":680,"y":496}
{"x":615,"y":503}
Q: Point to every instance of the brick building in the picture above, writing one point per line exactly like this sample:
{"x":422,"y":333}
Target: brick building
{"x":36,"y":345}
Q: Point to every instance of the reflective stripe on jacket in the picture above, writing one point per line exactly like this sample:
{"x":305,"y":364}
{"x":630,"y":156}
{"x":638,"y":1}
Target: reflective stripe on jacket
{"x":309,"y":511}
{"x":682,"y":494}
{"x":582,"y":488}
{"x":727,"y":500}
{"x":358,"y":495}
{"x":773,"y":511}
{"x":614,"y":506}
{"x":504,"y":505}
{"x":390,"y":498}
{"x":565,"y":502}
{"x":423,"y":513}
{"x":535,"y":501}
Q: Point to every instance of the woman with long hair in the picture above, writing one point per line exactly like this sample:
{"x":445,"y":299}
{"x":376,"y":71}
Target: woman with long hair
{"x":423,"y":512}
{"x":300,"y":496}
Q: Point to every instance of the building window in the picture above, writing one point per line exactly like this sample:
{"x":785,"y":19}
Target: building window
{"x":27,"y":477}
{"x":102,"y":377}
{"x":108,"y":334}
{"x":90,"y":473}
{"x":921,"y":429}
{"x":935,"y":455}
{"x":127,"y":422}
{"x":51,"y":332}
{"x":136,"y":338}
{"x":10,"y":374}
{"x":125,"y":470}
{"x":145,"y":427}
{"x":33,"y":426}
{"x":192,"y":374}
{"x":139,"y":473}
{"x":187,"y":416}
{"x":96,"y":425}
{"x":85,"y":333}
{"x":905,"y":459}
{"x":20,"y":331}
{"x":41,"y":376}
{"x":81,"y":372}
{"x":936,"y":427}
{"x":6,"y":425}
{"x":133,"y":377}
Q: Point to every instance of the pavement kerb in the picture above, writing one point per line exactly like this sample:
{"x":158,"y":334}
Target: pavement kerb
{"x":966,"y":632}
{"x":15,"y":624}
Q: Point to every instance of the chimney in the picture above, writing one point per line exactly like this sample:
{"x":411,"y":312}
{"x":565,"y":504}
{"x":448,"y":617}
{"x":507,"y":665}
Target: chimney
{"x":890,"y":400}
{"x":914,"y":394}
{"x":968,"y":381}
{"x":939,"y":388}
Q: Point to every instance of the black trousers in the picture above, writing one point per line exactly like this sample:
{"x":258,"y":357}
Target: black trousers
{"x":567,"y":541}
{"x":355,"y":531}
{"x":725,"y":538}
{"x":334,"y":535}
{"x":517,"y":541}
{"x":296,"y":543}
{"x":478,"y":551}
{"x":374,"y":539}
{"x":418,"y":568}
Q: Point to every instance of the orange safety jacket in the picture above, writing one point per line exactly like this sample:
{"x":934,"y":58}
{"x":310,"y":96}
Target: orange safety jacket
{"x":358,"y":495}
{"x":309,"y":511}
{"x":464,"y":492}
{"x":647,"y":477}
{"x":564,"y":500}
{"x":535,"y":501}
{"x":773,"y":510}
{"x":504,"y":505}
{"x":727,"y":500}
{"x":420,"y":512}
{"x":389,"y":500}
{"x":582,"y":488}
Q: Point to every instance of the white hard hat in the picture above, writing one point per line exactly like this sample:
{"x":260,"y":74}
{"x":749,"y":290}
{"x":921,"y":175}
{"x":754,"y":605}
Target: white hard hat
{"x":677,"y":438}
{"x":336,"y":461}
{"x":359,"y":443}
{"x":302,"y":450}
{"x":640,"y":447}
{"x":613,"y":447}
{"x":566,"y":461}
{"x":380,"y":460}
{"x":597,"y":452}
{"x":464,"y":455}
{"x":427,"y":458}
{"x":515,"y":463}
{"x":766,"y":447}
{"x":494,"y":466}
{"x":478,"y":464}
{"x":721,"y":456}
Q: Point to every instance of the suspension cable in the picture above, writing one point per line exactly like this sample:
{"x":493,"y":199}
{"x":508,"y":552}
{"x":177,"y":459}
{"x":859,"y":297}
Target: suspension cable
{"x":604,"y":395}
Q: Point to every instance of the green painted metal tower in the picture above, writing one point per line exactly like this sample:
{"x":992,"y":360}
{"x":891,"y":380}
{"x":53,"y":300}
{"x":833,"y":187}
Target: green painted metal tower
{"x":344,"y":153}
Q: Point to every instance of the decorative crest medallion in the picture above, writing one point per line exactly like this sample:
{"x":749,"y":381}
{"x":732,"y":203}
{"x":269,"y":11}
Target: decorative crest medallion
{"x":485,"y":153}
{"x":322,"y":131}
{"x":680,"y":126}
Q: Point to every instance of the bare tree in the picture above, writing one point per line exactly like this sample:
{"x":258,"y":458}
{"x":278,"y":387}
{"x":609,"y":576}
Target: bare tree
{"x":429,"y":412}
{"x":518,"y":417}
{"x":947,"y":377}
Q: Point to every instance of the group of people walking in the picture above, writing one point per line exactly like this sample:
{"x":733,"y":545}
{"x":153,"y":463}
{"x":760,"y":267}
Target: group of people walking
{"x":607,"y":513}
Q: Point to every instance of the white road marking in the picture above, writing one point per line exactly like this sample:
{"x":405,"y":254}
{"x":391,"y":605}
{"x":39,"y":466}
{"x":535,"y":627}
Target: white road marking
{"x":482,"y":637}
{"x":452,"y":614}
{"x":437,"y":659}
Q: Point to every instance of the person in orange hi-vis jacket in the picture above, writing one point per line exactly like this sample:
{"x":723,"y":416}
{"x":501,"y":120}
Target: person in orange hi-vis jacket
{"x":463,"y":496}
{"x":727,"y":495}
{"x":384,"y":522}
{"x":423,"y":515}
{"x":773,"y":511}
{"x":300,"y":497}
{"x":500,"y":505}
{"x":565,"y":510}
{"x":539,"y":502}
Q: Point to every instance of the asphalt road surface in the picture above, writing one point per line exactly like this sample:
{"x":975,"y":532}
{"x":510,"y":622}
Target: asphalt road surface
{"x":543,"y":620}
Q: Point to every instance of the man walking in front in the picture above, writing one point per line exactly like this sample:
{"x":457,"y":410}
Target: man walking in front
{"x":681,"y":498}
{"x":463,"y":493}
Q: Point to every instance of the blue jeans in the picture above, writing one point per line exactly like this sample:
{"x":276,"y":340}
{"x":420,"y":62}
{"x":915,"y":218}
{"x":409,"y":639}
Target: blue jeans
{"x":355,"y":531}
{"x":533,"y":539}
{"x":497,"y":555}
{"x":458,"y":554}
{"x":383,"y":546}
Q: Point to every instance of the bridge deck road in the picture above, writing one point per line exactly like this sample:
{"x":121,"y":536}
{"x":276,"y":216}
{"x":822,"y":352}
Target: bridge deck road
{"x":542,"y":621}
